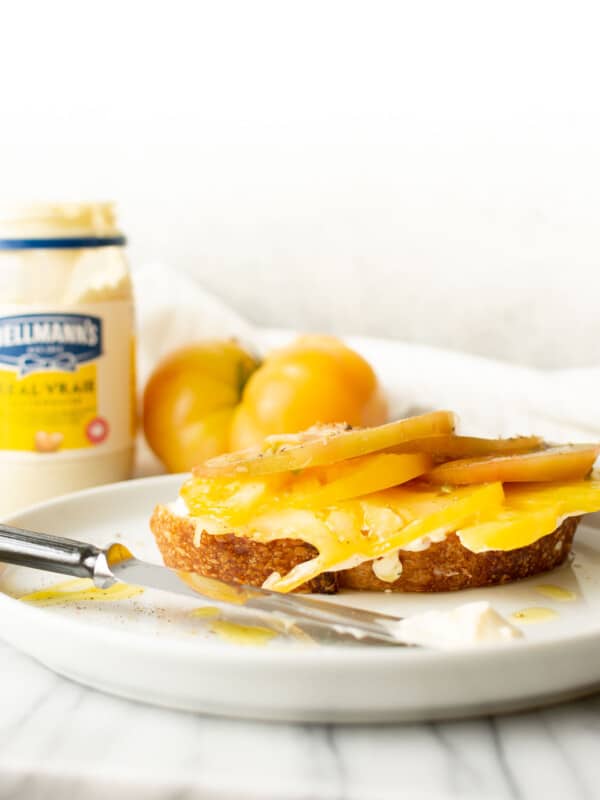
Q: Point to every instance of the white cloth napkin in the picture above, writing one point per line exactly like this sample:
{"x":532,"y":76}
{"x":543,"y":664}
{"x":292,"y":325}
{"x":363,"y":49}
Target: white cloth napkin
{"x":492,"y":398}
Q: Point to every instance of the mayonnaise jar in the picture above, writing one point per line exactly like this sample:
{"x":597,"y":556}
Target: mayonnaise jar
{"x":67,"y":385}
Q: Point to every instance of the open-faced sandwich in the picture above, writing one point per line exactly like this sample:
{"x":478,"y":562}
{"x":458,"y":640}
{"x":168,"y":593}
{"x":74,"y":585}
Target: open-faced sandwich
{"x":407,"y":507}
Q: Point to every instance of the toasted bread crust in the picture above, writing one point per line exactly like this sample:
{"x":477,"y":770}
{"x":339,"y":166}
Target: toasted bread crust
{"x":443,"y":567}
{"x":447,"y":566}
{"x":229,"y":557}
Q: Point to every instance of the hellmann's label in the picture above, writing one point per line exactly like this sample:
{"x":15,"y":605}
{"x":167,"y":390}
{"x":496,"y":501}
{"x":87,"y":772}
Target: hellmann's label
{"x":49,"y":341}
{"x":62,"y":375}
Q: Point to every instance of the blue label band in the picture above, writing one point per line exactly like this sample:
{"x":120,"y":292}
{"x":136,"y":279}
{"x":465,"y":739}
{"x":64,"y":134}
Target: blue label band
{"x":64,"y":243}
{"x":41,"y":342}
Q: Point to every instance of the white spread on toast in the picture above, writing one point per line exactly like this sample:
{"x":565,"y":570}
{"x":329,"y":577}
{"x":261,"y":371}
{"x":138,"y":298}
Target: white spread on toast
{"x":388,"y":568}
{"x":424,"y":542}
{"x":179,"y":507}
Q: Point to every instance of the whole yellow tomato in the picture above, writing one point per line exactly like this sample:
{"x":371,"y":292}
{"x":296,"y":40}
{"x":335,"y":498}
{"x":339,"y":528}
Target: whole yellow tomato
{"x":315,"y":379}
{"x":213,"y":397}
{"x":189,"y":401}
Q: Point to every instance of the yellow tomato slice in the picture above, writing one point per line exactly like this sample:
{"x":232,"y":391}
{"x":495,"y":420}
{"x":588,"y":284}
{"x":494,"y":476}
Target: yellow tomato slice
{"x":581,"y":497}
{"x":450,"y":446}
{"x":321,"y":446}
{"x":510,"y":530}
{"x":530,"y":513}
{"x":371,"y":474}
{"x":233,"y":502}
{"x":553,"y":464}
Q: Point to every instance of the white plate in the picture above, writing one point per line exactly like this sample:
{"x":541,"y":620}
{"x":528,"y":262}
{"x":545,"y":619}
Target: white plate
{"x":149,"y":648}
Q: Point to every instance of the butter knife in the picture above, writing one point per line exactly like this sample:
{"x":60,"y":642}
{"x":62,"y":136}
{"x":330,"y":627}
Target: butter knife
{"x":116,"y":564}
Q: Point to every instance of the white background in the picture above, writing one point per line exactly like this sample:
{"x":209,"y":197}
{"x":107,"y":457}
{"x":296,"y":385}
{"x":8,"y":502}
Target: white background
{"x":423,"y":170}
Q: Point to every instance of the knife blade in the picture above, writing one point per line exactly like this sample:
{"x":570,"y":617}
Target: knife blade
{"x":297,"y":609}
{"x":116,"y":563}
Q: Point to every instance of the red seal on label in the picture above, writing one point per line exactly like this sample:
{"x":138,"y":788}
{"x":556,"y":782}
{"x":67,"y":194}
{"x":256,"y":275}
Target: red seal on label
{"x":97,"y":430}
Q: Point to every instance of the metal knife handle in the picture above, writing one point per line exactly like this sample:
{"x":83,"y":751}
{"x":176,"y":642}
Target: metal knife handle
{"x":43,"y":551}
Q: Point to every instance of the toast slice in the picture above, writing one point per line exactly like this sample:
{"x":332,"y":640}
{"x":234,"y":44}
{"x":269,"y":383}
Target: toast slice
{"x":442,"y":567}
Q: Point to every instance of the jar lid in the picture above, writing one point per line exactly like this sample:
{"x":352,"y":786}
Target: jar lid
{"x":62,"y":243}
{"x":59,"y":225}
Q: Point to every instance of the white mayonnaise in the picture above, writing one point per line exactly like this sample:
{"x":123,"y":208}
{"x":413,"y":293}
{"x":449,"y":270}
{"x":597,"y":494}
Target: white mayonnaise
{"x":464,"y":626}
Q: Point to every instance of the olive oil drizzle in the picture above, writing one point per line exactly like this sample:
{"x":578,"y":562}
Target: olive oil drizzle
{"x":534,"y":614}
{"x":78,"y":591}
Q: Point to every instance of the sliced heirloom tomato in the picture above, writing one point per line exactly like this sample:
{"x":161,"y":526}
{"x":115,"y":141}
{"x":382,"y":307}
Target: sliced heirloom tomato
{"x":321,"y":446}
{"x":531,"y":512}
{"x":554,"y":464}
{"x":450,"y":446}
{"x":362,"y":476}
{"x":233,"y":502}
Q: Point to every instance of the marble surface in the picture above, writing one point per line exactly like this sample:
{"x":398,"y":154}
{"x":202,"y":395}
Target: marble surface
{"x":61,"y":740}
